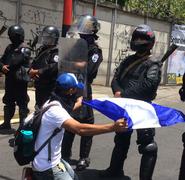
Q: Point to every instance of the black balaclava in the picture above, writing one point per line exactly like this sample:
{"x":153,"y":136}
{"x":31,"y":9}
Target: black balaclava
{"x":16,"y":39}
{"x":90,"y":38}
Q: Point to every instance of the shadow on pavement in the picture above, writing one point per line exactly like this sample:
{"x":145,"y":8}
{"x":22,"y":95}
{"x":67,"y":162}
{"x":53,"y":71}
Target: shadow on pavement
{"x":93,"y":174}
{"x":5,"y":178}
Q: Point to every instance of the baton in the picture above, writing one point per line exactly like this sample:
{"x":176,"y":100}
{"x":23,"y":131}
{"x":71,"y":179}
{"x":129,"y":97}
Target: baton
{"x":170,"y":50}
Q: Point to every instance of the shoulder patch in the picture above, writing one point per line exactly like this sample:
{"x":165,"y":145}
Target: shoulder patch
{"x":95,"y":58}
{"x":56,"y":58}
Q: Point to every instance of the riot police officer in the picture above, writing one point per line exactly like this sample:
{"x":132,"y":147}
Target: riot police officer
{"x":86,"y":27}
{"x":137,"y":77}
{"x":14,"y":64}
{"x":44,"y":68}
{"x":182,"y":165}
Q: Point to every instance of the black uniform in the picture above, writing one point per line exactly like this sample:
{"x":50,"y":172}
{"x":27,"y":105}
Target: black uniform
{"x":137,"y":77}
{"x":85,"y":114}
{"x":86,"y":26}
{"x":140,"y":82}
{"x":47,"y":64}
{"x":15,"y":89}
{"x":182,"y":166}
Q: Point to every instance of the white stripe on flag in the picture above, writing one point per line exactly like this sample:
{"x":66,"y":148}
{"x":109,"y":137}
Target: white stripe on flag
{"x":142,"y":114}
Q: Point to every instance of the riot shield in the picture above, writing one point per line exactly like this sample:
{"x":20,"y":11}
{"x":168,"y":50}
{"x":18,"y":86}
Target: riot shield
{"x":73,"y":57}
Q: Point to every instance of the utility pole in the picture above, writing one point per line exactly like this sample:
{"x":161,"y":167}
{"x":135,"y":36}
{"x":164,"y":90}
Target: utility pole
{"x":94,"y":8}
{"x":18,"y":11}
{"x":67,"y":16}
{"x":114,"y":17}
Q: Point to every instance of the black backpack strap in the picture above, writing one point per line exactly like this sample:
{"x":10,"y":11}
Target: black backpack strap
{"x":44,"y":109}
{"x":49,"y":151}
{"x":55,"y":132}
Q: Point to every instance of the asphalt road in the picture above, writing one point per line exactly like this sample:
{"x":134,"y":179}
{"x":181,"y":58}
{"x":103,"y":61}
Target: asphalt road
{"x":168,"y":139}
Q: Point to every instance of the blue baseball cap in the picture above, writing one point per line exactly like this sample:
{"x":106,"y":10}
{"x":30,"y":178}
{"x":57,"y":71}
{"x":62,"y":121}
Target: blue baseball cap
{"x":69,"y":80}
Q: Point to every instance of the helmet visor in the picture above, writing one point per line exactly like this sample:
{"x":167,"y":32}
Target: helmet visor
{"x":85,"y":26}
{"x":47,"y":39}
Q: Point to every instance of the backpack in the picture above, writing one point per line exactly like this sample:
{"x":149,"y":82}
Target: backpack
{"x":26,"y":136}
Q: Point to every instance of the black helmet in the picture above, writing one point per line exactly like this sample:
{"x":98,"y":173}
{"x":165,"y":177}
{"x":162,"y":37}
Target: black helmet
{"x":143,"y":38}
{"x":16,"y":34}
{"x":49,"y":36}
{"x":85,"y":24}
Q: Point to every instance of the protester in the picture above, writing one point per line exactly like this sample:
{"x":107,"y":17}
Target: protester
{"x":58,"y":116}
{"x":137,"y":77}
{"x":87,"y":27}
{"x":14,"y":64}
{"x":44,"y":68}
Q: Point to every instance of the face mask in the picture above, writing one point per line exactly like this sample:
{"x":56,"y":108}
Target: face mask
{"x":16,"y":40}
{"x":70,"y":99}
{"x":48,"y":41}
{"x":89,"y":38}
{"x":67,"y":101}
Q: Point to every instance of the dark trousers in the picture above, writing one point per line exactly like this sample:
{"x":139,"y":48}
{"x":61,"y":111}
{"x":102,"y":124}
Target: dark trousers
{"x":85,"y":143}
{"x":147,"y":147}
{"x":182,"y":166}
{"x":15,"y":94}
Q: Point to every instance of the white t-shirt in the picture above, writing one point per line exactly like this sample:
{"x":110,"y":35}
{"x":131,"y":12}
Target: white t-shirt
{"x":52,"y":118}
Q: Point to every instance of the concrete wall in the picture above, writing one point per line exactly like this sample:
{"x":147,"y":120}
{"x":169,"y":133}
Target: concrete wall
{"x":34,"y":14}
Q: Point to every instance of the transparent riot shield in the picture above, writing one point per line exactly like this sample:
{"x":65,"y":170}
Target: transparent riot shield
{"x":73,"y":57}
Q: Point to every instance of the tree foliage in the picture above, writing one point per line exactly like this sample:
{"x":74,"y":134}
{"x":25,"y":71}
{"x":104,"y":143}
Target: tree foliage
{"x":173,"y":9}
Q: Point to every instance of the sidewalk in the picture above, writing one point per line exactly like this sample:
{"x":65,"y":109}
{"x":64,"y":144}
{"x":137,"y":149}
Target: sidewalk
{"x":164,"y":92}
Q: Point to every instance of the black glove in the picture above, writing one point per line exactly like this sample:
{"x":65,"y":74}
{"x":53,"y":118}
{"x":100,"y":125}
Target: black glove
{"x":182,"y":94}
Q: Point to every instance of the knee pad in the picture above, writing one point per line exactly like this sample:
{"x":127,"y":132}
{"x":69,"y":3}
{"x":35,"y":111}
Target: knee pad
{"x":145,"y":136}
{"x":148,"y":148}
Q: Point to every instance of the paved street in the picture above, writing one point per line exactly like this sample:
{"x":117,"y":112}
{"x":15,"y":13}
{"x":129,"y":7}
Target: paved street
{"x":168,"y":139}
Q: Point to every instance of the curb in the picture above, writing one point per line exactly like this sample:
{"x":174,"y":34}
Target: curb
{"x":13,"y":121}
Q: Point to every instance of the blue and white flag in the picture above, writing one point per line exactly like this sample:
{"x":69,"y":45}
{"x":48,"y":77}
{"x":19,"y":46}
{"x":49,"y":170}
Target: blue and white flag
{"x":139,"y":114}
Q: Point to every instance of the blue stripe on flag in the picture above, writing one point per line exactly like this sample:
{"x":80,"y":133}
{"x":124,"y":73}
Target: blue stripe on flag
{"x":110,"y":109}
{"x":168,"y":116}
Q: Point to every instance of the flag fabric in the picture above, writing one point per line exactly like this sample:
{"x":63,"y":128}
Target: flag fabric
{"x":139,"y":114}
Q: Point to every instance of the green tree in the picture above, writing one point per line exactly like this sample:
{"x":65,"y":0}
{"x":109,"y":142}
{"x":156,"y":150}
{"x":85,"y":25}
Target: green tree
{"x":174,"y":9}
{"x":166,"y":8}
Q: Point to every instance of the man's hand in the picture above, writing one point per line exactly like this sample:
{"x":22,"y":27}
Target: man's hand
{"x":120,"y":125}
{"x":5,"y":69}
{"x":117,"y":94}
{"x":34,"y":73}
{"x":78,"y":103}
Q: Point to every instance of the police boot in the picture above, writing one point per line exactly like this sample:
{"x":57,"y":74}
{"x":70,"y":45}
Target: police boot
{"x":83,"y":163}
{"x":148,"y":161}
{"x":182,"y":167}
{"x":23,"y":112}
{"x":115,"y":169}
{"x":8,"y":114}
